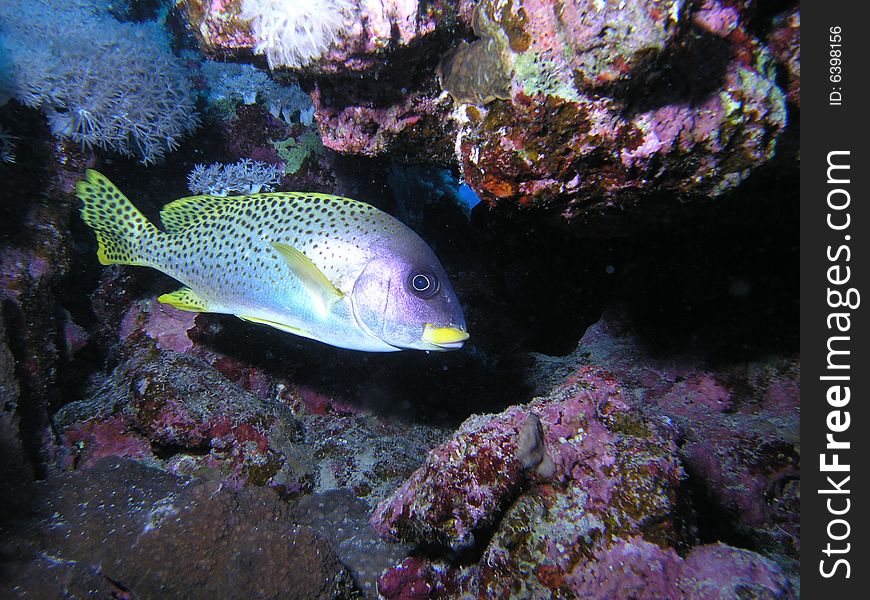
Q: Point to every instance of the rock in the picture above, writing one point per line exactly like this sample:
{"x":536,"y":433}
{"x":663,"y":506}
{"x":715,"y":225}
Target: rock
{"x":178,"y":412}
{"x":720,"y":572}
{"x":573,"y":109}
{"x":418,"y":124}
{"x":36,"y":256}
{"x":14,"y":463}
{"x":594,"y":122}
{"x":218,"y":26}
{"x":175,"y":401}
{"x":784,"y":41}
{"x":367,"y":455}
{"x":192,"y":539}
{"x":589,"y":431}
{"x":343,"y":519}
{"x":738,"y":429}
{"x":654,"y":459}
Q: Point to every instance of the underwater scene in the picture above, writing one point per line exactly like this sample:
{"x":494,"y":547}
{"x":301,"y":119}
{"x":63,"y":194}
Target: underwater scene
{"x":399,"y":299}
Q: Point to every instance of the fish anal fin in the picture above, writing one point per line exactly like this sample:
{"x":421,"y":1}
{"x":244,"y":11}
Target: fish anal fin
{"x":283,"y":327}
{"x":318,"y":285}
{"x":185,"y":299}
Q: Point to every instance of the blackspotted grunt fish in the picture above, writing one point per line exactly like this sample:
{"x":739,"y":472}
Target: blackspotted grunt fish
{"x":323,"y":267}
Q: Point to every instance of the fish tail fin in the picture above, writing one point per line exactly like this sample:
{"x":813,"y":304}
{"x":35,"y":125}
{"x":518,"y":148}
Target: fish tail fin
{"x":119,"y":225}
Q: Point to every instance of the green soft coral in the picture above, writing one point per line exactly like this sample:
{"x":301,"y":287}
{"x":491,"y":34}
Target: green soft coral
{"x":294,"y":151}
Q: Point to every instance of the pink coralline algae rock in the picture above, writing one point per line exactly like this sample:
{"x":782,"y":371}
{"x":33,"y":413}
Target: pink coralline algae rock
{"x":596,"y":42}
{"x":587,"y":129}
{"x":785,"y":43}
{"x":639,"y":569}
{"x":620,"y":472}
{"x":374,"y":130}
{"x":165,"y":324}
{"x":632,"y":439}
{"x":717,"y":18}
{"x":177,"y":412}
{"x":738,"y":426}
{"x":569,"y":107}
{"x":218,"y":25}
{"x":720,"y":572}
{"x":578,"y":107}
{"x":603,"y":524}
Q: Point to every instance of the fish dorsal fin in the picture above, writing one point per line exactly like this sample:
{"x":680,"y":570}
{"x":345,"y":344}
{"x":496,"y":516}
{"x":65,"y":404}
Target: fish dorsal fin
{"x":184,"y":213}
{"x":184,"y":299}
{"x":318,"y":285}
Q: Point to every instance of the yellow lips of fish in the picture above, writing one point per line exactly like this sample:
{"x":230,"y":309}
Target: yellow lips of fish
{"x":444,"y":337}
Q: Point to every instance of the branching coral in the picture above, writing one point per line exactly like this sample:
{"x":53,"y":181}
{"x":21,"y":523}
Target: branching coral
{"x":246,"y":176}
{"x":247,"y":84}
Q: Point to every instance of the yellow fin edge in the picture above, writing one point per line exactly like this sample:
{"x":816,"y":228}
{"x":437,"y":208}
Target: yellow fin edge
{"x":318,"y":285}
{"x":276,"y":325}
{"x":184,"y":299}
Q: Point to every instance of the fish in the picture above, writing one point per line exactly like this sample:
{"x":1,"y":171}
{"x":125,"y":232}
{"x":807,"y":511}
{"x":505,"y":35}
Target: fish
{"x":319,"y":266}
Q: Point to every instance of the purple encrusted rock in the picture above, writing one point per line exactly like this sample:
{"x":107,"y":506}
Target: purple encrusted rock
{"x":617,"y":514}
{"x":589,"y":431}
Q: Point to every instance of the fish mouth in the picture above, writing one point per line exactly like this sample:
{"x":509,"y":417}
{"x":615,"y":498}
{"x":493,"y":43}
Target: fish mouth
{"x":446,"y":338}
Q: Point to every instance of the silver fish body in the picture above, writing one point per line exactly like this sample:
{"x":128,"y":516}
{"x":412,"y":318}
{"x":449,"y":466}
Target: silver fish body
{"x":324,"y":267}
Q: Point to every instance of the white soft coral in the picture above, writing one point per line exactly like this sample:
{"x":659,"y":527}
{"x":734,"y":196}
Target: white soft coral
{"x":293,"y":33}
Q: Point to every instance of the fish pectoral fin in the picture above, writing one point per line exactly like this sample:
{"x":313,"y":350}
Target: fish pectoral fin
{"x":184,"y":299}
{"x":276,"y":325}
{"x":318,"y":285}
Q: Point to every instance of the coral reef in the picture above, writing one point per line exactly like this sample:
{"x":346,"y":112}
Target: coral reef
{"x":614,"y":514}
{"x":246,"y":84}
{"x":480,"y":481}
{"x":588,"y":126}
{"x":738,"y":430}
{"x":343,"y":519}
{"x":294,"y":34}
{"x":325,"y":36}
{"x":173,"y":402}
{"x":294,"y":151}
{"x":572,"y":108}
{"x":627,"y":171}
{"x":479,"y":72}
{"x":785,"y":43}
{"x":7,"y":146}
{"x":36,"y":256}
{"x":373,"y":130}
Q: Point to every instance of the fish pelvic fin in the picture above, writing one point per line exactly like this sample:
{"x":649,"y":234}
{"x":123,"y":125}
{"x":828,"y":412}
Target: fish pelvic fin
{"x":119,"y":225}
{"x":185,"y":299}
{"x":319,"y":287}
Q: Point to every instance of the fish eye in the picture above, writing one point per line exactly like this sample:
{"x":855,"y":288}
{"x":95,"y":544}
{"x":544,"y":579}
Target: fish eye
{"x":423,"y":284}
